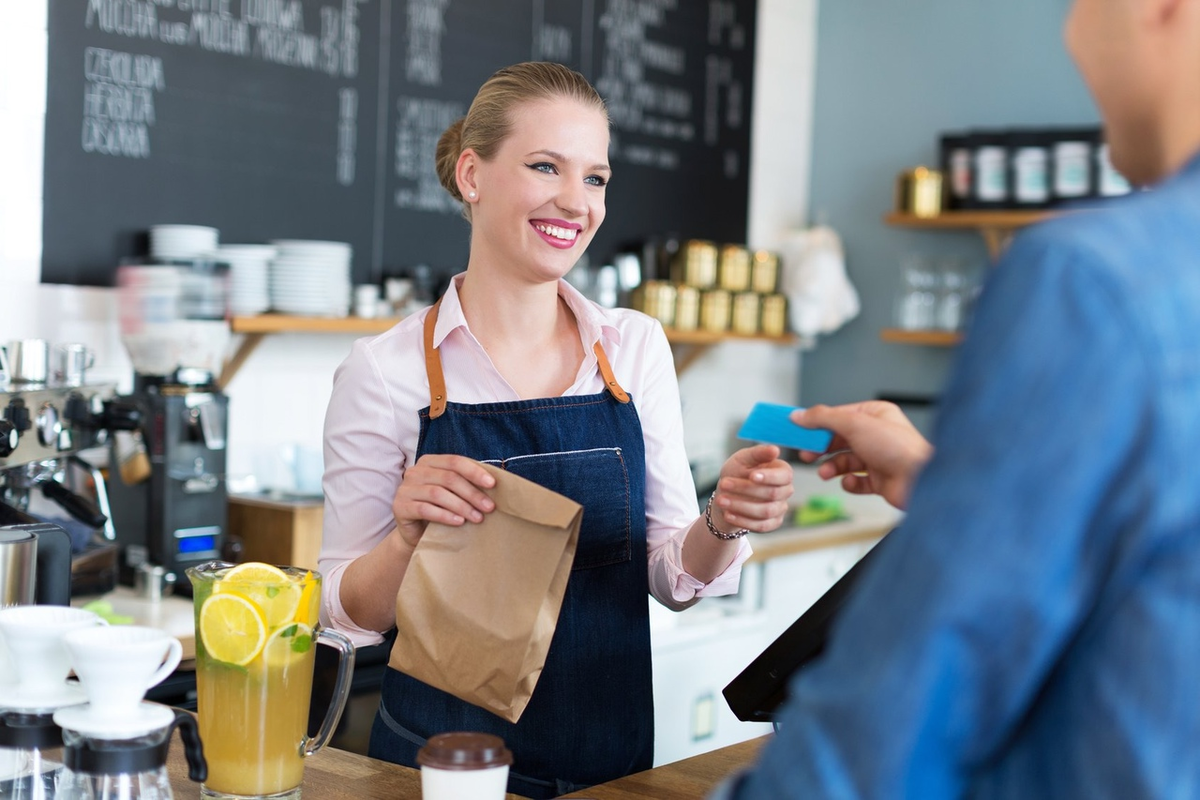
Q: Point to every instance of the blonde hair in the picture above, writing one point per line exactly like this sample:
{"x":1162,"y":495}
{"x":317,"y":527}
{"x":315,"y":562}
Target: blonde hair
{"x":488,"y":121}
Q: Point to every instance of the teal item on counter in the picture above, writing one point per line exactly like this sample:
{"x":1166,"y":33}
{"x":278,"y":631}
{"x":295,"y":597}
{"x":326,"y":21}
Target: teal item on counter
{"x":819,"y":509}
{"x":104,"y":609}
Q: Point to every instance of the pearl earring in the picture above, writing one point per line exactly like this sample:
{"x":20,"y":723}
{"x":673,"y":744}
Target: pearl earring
{"x":471,"y":195}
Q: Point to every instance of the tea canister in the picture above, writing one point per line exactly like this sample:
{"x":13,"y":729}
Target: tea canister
{"x":745,"y":313}
{"x":695,"y":264}
{"x":687,"y":308}
{"x":773,"y":320}
{"x":657,"y":299}
{"x":714,"y":310}
{"x":733,"y":273}
{"x":764,"y":272}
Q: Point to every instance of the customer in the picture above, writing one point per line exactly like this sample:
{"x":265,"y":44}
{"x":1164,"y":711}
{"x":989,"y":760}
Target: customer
{"x":523,"y":360}
{"x":1033,"y":628}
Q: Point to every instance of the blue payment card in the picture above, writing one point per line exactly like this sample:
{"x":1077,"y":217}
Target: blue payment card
{"x":769,"y":423}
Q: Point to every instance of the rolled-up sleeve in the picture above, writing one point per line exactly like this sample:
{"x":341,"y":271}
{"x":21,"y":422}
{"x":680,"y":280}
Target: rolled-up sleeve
{"x":671,"y":506}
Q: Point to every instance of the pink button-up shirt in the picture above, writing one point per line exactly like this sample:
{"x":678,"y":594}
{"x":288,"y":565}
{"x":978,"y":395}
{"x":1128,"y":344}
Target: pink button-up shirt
{"x":371,"y":429}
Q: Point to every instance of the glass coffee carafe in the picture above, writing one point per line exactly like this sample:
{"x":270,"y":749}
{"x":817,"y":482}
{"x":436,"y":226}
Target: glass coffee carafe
{"x":102,"y":762}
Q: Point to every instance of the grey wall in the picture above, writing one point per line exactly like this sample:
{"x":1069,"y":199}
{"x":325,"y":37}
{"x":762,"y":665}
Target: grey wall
{"x":890,"y":77}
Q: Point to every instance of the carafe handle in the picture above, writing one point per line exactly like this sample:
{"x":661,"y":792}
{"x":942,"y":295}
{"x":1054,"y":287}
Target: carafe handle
{"x":193,"y":748}
{"x":341,"y":689}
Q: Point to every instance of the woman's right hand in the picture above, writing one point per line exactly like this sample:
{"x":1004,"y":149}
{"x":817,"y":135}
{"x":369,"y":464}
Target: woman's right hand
{"x":441,"y":488}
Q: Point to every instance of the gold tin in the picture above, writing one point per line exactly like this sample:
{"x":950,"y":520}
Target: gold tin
{"x":656,"y":298}
{"x":714,"y":310}
{"x":919,"y":192}
{"x":774,"y":314}
{"x":687,"y":308}
{"x":764,"y":272}
{"x":745,"y":313}
{"x":695,"y":264}
{"x":733,"y":273}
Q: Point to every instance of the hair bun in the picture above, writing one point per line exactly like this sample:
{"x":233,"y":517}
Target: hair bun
{"x":449,"y":148}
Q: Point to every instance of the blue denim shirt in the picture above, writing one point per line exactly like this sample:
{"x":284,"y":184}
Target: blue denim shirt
{"x":1033,"y":628}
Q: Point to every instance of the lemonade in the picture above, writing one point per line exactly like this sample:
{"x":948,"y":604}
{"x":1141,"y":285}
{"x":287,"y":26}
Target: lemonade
{"x":254,"y":669}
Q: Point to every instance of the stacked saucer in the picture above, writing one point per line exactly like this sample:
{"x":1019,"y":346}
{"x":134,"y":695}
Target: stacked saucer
{"x":311,"y":278}
{"x":249,"y":270}
{"x":182,"y":241}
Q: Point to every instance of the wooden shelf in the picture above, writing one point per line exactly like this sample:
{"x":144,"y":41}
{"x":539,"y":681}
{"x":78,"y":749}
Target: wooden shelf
{"x":996,"y":227}
{"x":690,"y":345}
{"x":929,"y":338}
{"x":969,"y":219}
{"x":284,"y":323}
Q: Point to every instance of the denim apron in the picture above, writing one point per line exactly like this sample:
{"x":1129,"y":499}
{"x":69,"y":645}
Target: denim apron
{"x":591,"y":716}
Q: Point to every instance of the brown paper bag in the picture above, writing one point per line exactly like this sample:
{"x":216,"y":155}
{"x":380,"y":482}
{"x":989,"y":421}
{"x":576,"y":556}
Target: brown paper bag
{"x":479,"y":603}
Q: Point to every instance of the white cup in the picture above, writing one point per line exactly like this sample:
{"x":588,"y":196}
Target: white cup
{"x":117,"y":664}
{"x":464,"y":766}
{"x":34,"y":634}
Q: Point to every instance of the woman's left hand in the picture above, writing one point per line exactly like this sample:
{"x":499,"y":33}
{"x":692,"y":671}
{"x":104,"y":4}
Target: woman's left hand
{"x":753,"y":490}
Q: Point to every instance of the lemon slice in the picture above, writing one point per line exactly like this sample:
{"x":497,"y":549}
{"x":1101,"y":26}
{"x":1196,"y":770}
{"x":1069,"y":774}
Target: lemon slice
{"x":268,"y":587}
{"x":288,"y":644}
{"x":310,"y":599}
{"x":232,"y":629}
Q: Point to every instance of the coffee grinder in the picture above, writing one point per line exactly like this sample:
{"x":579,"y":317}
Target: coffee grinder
{"x":167,"y":484}
{"x":168,"y":494}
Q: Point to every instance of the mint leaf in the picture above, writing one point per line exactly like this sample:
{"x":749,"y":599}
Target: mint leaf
{"x":302,"y":644}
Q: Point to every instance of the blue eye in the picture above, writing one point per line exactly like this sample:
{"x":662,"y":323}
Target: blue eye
{"x":543,"y":166}
{"x":596,"y":180}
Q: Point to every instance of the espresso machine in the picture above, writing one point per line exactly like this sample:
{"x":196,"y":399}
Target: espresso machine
{"x":46,"y":421}
{"x":167,"y":486}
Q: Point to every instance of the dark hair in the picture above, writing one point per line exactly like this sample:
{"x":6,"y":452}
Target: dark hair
{"x":488,"y":122}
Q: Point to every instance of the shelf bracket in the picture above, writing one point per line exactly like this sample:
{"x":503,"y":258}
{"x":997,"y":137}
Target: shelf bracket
{"x":249,"y":342}
{"x":688,"y":354}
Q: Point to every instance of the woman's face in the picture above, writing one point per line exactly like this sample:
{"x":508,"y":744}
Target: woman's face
{"x":541,"y":198}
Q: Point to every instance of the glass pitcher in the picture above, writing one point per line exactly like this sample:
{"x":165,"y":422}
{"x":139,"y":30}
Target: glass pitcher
{"x":256,"y":633}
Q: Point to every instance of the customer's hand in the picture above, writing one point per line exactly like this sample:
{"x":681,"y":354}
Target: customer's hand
{"x":753,"y":490}
{"x":884,"y":451}
{"x":441,"y":488}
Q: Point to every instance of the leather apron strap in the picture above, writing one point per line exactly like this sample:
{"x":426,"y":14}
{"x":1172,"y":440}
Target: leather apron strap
{"x":433,"y":366}
{"x":437,"y":378}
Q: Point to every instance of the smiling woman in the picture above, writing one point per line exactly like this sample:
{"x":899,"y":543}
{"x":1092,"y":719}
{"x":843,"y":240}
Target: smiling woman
{"x":513,"y":366}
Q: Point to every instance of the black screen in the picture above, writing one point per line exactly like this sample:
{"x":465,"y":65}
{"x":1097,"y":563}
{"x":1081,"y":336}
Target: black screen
{"x":761,"y":688}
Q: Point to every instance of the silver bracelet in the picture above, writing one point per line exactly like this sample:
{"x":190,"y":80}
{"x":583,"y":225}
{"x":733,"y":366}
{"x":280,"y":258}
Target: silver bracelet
{"x":739,"y":533}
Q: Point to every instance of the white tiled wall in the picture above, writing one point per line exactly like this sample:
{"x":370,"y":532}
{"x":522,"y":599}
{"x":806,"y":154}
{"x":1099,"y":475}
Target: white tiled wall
{"x":279,"y":397}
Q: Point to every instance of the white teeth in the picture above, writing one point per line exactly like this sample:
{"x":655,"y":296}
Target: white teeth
{"x":566,"y":234}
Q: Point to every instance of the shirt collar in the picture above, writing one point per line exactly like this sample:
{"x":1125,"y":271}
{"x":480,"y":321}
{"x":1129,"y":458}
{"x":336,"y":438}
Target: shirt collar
{"x":594,"y":324}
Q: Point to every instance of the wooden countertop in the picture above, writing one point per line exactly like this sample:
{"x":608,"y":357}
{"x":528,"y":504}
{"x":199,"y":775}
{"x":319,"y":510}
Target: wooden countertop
{"x":335,"y":774}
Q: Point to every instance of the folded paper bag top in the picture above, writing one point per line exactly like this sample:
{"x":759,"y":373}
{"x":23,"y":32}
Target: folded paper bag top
{"x":479,"y":603}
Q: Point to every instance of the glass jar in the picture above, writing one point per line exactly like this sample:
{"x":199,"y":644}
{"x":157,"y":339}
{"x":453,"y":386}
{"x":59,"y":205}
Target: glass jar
{"x":916,"y":300}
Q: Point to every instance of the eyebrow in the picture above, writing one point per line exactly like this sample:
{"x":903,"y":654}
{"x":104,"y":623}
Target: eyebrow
{"x":561,"y":157}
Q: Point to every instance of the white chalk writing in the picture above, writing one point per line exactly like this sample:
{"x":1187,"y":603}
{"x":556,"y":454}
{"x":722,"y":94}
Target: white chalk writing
{"x":426,"y":27}
{"x":271,"y":30}
{"x":657,"y":106}
{"x":118,"y":101}
{"x":419,"y":124}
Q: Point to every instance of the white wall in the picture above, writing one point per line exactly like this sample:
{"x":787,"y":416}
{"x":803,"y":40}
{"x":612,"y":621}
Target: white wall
{"x":279,"y":396}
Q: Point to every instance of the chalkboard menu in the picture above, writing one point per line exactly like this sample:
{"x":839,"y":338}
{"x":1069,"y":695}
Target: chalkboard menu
{"x":317,"y":119}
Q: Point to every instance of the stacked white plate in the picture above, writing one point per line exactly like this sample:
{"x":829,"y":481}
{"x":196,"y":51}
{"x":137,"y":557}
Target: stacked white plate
{"x":182,"y":241}
{"x":249,"y":276}
{"x":311,"y":278}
